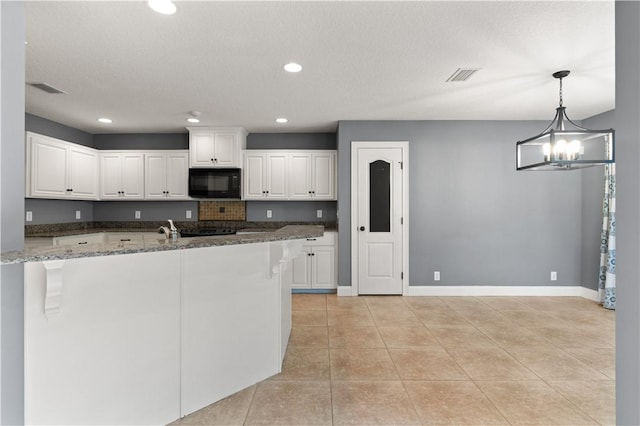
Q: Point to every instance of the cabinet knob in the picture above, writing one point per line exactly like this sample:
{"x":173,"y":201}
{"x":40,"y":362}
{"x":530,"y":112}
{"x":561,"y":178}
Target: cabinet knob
{"x":362,"y":228}
{"x":313,"y":254}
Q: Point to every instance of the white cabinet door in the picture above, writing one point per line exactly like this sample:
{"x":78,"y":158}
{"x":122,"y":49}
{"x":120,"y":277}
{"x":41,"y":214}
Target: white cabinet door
{"x":201,"y":149}
{"x":110,"y":175}
{"x":301,"y":269}
{"x":276,"y":176}
{"x":324,"y":175}
{"x":48,"y":174}
{"x":166,"y":175}
{"x":133,"y":176}
{"x":216,"y":146}
{"x":315,"y":266}
{"x":177,"y":175}
{"x":312,"y":175}
{"x":83,"y":172}
{"x":224,"y":150}
{"x":254,"y":176}
{"x":59,"y":169}
{"x":323,"y":267}
{"x":122,"y":175}
{"x":155,"y":176}
{"x":300,"y":176}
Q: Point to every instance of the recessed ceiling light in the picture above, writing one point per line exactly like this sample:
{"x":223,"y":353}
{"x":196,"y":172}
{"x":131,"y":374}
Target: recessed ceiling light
{"x":281,"y":120}
{"x":105,"y":120}
{"x":193,"y":120}
{"x":293,"y":67}
{"x":166,"y":7}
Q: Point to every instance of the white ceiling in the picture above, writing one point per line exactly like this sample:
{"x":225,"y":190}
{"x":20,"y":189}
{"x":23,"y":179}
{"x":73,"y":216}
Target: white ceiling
{"x":362,"y":61}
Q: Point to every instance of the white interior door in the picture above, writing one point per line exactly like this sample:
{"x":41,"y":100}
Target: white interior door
{"x":378,"y":200}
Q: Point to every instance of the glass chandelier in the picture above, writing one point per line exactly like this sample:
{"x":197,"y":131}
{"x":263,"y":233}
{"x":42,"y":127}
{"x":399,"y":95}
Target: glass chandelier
{"x":564,"y":145}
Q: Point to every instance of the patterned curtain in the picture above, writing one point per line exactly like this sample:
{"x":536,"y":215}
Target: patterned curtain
{"x":607,"y":285}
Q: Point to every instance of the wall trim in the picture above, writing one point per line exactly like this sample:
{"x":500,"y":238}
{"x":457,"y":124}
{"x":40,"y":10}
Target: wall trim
{"x":503,"y":291}
{"x":575,"y":291}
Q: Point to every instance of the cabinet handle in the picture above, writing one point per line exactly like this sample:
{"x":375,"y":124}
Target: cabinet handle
{"x":83,"y":242}
{"x":311,"y":239}
{"x":125,"y":239}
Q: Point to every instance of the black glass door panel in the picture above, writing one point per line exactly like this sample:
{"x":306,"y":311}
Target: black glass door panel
{"x":379,"y":196}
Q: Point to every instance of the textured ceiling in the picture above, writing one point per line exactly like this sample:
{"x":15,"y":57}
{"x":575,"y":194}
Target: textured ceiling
{"x":362,"y":61}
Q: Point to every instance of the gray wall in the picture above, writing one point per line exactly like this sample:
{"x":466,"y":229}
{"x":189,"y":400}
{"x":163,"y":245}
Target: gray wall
{"x":12,"y":172}
{"x":472,"y":216}
{"x":291,"y":211}
{"x":626,"y":122}
{"x":40,"y":125}
{"x":291,"y":141}
{"x":57,"y":211}
{"x":109,"y":211}
{"x":592,"y":193}
{"x":146,"y":141}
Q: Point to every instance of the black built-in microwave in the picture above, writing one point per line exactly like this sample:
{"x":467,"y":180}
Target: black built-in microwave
{"x":214,"y":183}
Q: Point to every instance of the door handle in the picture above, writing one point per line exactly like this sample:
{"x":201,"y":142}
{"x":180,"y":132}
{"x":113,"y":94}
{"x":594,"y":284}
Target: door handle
{"x":362,"y":228}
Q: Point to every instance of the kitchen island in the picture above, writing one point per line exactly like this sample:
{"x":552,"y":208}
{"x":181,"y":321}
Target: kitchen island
{"x":145,"y":333}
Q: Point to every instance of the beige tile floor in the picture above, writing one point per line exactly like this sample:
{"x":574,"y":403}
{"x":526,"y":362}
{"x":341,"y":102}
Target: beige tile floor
{"x":435,"y":360}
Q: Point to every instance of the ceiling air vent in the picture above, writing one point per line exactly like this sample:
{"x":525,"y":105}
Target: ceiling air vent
{"x":47,"y":88}
{"x":462,"y":74}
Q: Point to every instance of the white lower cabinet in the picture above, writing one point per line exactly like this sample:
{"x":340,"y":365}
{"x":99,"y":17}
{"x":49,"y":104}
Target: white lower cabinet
{"x":315,"y":266}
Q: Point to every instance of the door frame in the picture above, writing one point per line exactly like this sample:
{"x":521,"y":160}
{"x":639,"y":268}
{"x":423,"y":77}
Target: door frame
{"x":355,"y":146}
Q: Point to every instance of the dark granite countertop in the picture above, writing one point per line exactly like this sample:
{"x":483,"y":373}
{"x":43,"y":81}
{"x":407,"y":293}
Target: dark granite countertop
{"x":156,"y":242}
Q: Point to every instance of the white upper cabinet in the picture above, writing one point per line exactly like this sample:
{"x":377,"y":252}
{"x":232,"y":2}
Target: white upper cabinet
{"x":166,"y":175}
{"x":216,"y":146}
{"x":312,"y":175}
{"x":289,"y":175}
{"x":121,"y":175}
{"x":265,"y":175}
{"x":59,"y":169}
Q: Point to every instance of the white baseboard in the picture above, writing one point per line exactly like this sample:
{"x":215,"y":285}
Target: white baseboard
{"x":428,"y":290}
{"x":575,"y":291}
{"x":345,"y":290}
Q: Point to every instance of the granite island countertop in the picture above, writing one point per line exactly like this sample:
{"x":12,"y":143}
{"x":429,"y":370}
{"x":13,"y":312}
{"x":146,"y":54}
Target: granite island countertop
{"x":154,"y":243}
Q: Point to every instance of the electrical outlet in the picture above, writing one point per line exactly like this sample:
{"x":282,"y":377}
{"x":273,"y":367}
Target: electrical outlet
{"x":318,"y":214}
{"x":554,"y":276}
{"x":29,"y":216}
{"x":137,"y":214}
{"x":269,"y":214}
{"x":436,"y":275}
{"x":78,"y":214}
{"x":188,"y":214}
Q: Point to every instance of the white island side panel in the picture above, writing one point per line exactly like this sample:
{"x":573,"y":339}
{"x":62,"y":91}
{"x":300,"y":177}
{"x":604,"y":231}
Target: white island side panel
{"x":111,"y":355}
{"x":231,"y":322}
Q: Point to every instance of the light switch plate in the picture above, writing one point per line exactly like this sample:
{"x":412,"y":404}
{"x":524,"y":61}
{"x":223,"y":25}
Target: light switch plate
{"x":188,"y":214}
{"x":436,"y":275}
{"x":554,"y":276}
{"x":269,"y":214}
{"x":318,"y":214}
{"x":78,"y":214}
{"x":137,"y":214}
{"x":29,"y":216}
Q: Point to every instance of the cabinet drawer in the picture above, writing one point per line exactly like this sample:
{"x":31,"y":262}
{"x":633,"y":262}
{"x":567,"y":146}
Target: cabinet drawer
{"x":328,"y":239}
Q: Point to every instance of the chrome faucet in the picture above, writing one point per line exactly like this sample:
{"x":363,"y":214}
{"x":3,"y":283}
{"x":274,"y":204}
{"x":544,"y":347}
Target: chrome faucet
{"x":170,"y":231}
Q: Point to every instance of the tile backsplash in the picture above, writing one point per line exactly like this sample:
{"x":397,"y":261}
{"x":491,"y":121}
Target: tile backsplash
{"x":222,"y":210}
